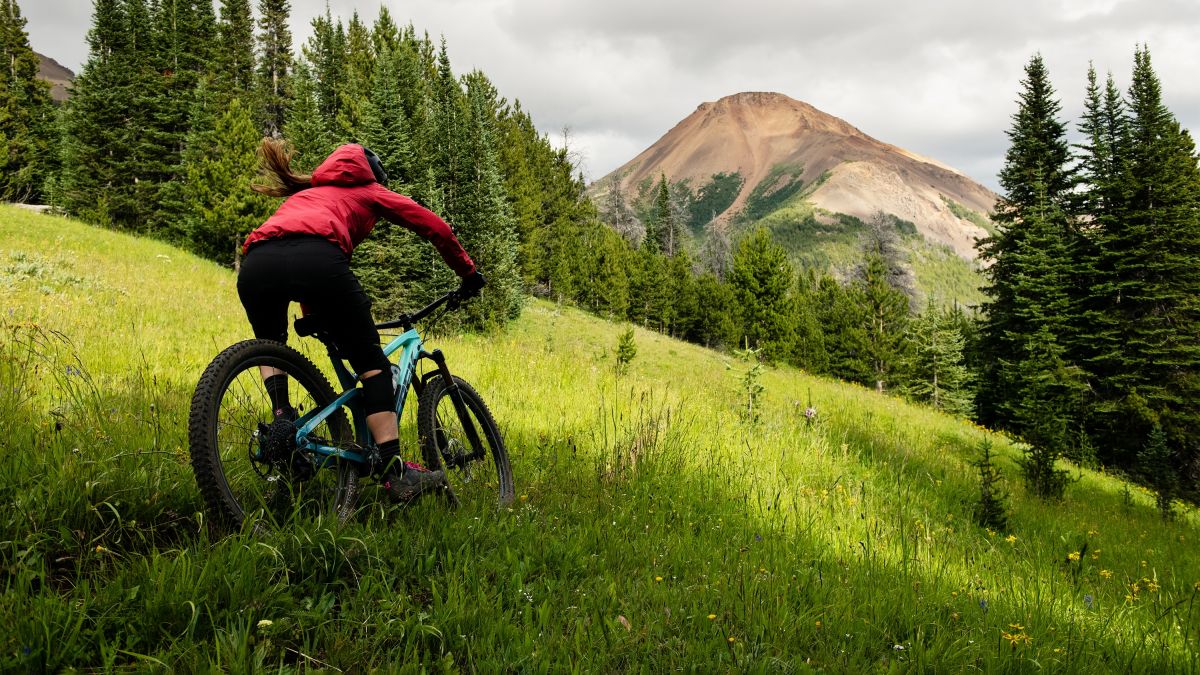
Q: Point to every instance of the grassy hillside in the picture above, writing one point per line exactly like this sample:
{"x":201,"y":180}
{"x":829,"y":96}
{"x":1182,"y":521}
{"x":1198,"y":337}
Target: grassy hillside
{"x":654,"y":528}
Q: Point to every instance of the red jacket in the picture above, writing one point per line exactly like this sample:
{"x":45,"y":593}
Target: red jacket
{"x":344,"y":204}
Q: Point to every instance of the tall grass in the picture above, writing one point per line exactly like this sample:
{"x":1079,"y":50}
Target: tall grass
{"x":654,"y":528}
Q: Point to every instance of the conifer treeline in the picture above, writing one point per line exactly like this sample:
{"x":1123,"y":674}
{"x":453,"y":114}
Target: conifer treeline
{"x":1090,"y":342}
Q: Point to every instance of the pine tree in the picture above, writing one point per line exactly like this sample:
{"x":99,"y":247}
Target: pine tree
{"x":225,"y":209}
{"x":607,"y":269}
{"x":102,"y":153}
{"x":27,"y":114}
{"x":762,"y":279}
{"x":484,"y":220}
{"x":885,"y":310}
{"x":185,"y":32}
{"x":936,"y":373}
{"x":306,"y":127}
{"x":359,"y":68}
{"x":717,"y":304}
{"x":1154,"y":284}
{"x":685,"y":307}
{"x":1032,"y":253}
{"x":1101,"y":159}
{"x":275,"y":63}
{"x":716,"y":253}
{"x":1045,"y":411}
{"x":385,"y":35}
{"x":842,"y":314}
{"x":235,"y":57}
{"x":808,"y":351}
{"x":325,"y":53}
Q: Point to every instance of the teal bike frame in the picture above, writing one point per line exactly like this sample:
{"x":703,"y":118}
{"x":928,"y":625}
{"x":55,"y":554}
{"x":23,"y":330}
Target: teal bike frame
{"x":411,"y":349}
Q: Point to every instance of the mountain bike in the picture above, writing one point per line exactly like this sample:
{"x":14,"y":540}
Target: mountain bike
{"x":251,"y":465}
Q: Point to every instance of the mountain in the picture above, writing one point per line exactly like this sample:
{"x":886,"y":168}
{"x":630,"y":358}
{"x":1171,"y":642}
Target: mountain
{"x":59,"y":77}
{"x":786,"y":151}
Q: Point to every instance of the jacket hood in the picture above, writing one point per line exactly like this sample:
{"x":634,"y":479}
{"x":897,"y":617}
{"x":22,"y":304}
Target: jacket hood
{"x":347,"y":166}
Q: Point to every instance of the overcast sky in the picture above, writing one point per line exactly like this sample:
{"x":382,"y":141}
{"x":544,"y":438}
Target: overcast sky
{"x":937,"y":77}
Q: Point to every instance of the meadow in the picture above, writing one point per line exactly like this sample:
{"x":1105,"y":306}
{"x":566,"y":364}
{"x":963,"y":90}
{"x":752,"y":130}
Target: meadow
{"x":656,"y":527}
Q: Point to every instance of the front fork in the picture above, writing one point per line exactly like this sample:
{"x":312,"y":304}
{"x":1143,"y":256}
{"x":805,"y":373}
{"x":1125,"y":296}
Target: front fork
{"x":460,"y":407}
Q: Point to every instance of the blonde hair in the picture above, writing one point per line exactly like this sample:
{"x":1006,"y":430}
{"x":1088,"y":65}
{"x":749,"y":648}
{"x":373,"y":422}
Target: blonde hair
{"x":275,"y":174}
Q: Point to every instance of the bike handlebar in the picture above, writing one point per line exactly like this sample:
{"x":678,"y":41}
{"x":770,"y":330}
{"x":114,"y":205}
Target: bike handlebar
{"x":407,"y":320}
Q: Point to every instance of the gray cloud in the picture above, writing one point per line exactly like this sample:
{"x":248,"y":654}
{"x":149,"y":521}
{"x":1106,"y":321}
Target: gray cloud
{"x":939,"y":77}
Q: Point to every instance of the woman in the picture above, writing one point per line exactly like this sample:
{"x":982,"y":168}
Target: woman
{"x":302,"y":253}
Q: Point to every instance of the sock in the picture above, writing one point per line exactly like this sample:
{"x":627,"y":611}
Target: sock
{"x":388,"y":451}
{"x":277,"y":389}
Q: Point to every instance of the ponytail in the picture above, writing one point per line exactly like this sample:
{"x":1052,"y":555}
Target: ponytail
{"x":275,"y":170}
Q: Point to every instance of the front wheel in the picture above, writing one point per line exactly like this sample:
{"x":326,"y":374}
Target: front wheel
{"x":245,"y":457}
{"x":468,"y":447}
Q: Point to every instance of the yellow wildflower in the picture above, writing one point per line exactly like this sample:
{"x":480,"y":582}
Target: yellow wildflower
{"x":265,"y":623}
{"x":732,"y":639}
{"x":712,"y":617}
{"x":818,"y":624}
{"x":1152,"y":586}
{"x":1073,"y":556}
{"x":658,"y":578}
{"x":1012,"y":539}
{"x":1016,"y":626}
{"x":1107,"y":574}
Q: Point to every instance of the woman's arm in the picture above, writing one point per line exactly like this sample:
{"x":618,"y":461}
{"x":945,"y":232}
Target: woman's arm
{"x":407,"y":213}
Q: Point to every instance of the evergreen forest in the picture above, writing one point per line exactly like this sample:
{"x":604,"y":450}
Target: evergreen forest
{"x":1087,"y":348}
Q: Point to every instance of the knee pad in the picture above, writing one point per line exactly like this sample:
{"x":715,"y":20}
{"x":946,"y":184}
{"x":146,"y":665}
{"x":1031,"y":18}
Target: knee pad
{"x":378,"y":393}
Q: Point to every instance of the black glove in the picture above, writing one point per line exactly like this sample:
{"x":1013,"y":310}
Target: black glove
{"x":471,"y":285}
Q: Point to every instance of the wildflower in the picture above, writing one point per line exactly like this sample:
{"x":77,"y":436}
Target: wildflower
{"x":1073,"y":556}
{"x":1107,"y":574}
{"x":1012,"y":539}
{"x":954,"y":616}
{"x":810,"y":413}
{"x":1016,"y":626}
{"x":265,"y":623}
{"x":712,"y":617}
{"x":1152,"y":586}
{"x":991,"y":532}
{"x":1092,"y":533}
{"x":100,"y":549}
{"x":658,"y":578}
{"x":524,"y":498}
{"x":1096,"y":554}
{"x":732,"y":639}
{"x":818,"y":624}
{"x":1017,"y":638}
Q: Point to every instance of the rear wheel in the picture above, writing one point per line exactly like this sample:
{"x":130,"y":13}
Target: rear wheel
{"x":245,"y":459}
{"x":476,"y":472}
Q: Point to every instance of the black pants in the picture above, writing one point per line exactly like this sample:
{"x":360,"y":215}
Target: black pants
{"x":314,"y":271}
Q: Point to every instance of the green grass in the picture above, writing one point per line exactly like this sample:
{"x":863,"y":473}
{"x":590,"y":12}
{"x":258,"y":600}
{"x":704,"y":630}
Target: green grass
{"x":654,"y":530}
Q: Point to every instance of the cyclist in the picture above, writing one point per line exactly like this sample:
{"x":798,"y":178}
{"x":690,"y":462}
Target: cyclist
{"x":302,"y":253}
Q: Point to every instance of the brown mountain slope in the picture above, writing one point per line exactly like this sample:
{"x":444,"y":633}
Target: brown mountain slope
{"x":57,"y":75}
{"x":755,"y":132}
